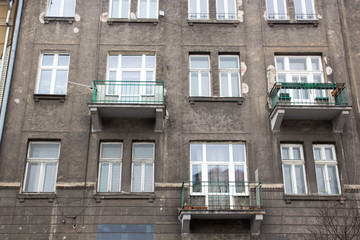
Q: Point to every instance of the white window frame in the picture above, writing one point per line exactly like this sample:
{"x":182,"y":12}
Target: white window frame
{"x":43,"y":162}
{"x":62,"y":7}
{"x":276,"y":15}
{"x":231,"y":169}
{"x":148,"y":10}
{"x":305,"y":15}
{"x":54,"y":68}
{"x":142,"y":161}
{"x":119,"y":10}
{"x":302,"y":96}
{"x":229,"y":72}
{"x":325,"y":164}
{"x":143,"y":70}
{"x":199,"y":71}
{"x":227,"y":15}
{"x":293,"y":162}
{"x":198,"y":15}
{"x":110,"y":161}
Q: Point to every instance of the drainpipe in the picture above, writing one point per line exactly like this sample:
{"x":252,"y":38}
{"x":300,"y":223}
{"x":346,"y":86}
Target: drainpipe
{"x":11,"y":67}
{"x":10,"y":4}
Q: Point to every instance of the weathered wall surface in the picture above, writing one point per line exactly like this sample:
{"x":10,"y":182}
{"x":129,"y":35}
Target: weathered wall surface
{"x":77,"y":211}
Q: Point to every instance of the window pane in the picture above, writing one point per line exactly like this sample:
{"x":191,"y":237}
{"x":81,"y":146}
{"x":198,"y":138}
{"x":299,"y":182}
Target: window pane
{"x":317,"y":154}
{"x":229,"y":62}
{"x":116,"y":173}
{"x":221,"y":9}
{"x":63,"y":60}
{"x":334,"y":185}
{"x":69,"y":8}
{"x":142,"y":10}
{"x":281,"y":78}
{"x":298,"y":8}
{"x":239,"y":179}
{"x":136,"y":183}
{"x":300,"y":179}
{"x":44,"y":150}
{"x":150,"y":61}
{"x":203,"y":9}
{"x":153,"y":9}
{"x":238,"y":153}
{"x":285,"y":153}
{"x":54,"y":7}
{"x":197,"y":178}
{"x":192,"y":9}
{"x":149,"y":178}
{"x":270,"y":9}
{"x":296,"y":152}
{"x":32,"y":177}
{"x":320,"y":178}
{"x":288,"y":179}
{"x":115,"y":8}
{"x":60,"y":82}
{"x":224,"y":84}
{"x":194,"y":84}
{"x":50,"y":177}
{"x":45,"y":82}
{"x":297,"y":64}
{"x":235,"y":85}
{"x":125,"y":5}
{"x":205,"y":84}
{"x":144,"y":150}
{"x":196,"y":152}
{"x":281,"y":7}
{"x":280,"y":65}
{"x":329,"y":154}
{"x":217,"y":153}
{"x":104,"y":176}
{"x":232,"y":9}
{"x":111,"y":150}
{"x":309,"y":7}
{"x":315,"y":64}
{"x":218,"y":176}
{"x":131,"y":76}
{"x":113,"y":61}
{"x":200,"y":62}
{"x":48,"y":60}
{"x":131,"y":61}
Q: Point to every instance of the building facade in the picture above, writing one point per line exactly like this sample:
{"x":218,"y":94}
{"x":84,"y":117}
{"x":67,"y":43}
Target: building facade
{"x":180,"y":119}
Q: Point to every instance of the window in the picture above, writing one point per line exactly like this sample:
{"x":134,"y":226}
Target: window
{"x":327,"y":175}
{"x":199,"y":75}
{"x":61,"y":8}
{"x":143,"y":157}
{"x":229,"y":76}
{"x":293,"y":169}
{"x":120,"y":8}
{"x":198,"y":9}
{"x":129,"y":74}
{"x":41,"y":167}
{"x":218,"y":172}
{"x":110,"y":167}
{"x":300,"y":69}
{"x":53,"y":74}
{"x":225,"y":9}
{"x":148,"y":9}
{"x":304,"y":10}
{"x":276,"y":9}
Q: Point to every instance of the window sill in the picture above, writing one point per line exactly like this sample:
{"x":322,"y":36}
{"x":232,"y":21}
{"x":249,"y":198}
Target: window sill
{"x":121,"y":195}
{"x":289,"y":198}
{"x":59,"y":19}
{"x":272,"y":22}
{"x":49,"y":196}
{"x":154,"y":21}
{"x":238,"y":100}
{"x":191,"y":22}
{"x":60,"y":97}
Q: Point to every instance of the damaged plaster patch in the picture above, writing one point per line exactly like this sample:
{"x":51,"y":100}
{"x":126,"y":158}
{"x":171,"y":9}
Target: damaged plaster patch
{"x":245,"y":88}
{"x":17,"y":100}
{"x":325,"y":60}
{"x":77,"y":17}
{"x":265,"y":16}
{"x":239,"y":3}
{"x":76,"y":30}
{"x":319,"y":16}
{"x":329,"y":70}
{"x":271,"y":76}
{"x":104,"y":17}
{"x":243,"y":68}
{"x":132,"y":15}
{"x":41,"y":17}
{"x":241,"y":16}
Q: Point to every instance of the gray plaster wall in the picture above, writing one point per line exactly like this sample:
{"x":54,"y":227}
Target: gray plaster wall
{"x":75,"y":212}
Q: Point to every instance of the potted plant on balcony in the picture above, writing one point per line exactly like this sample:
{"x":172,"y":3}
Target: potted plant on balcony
{"x":187,"y":206}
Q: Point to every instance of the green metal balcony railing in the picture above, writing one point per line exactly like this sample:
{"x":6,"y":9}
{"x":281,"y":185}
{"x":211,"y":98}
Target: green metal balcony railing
{"x":309,"y":94}
{"x":221,"y":195}
{"x":128,"y":92}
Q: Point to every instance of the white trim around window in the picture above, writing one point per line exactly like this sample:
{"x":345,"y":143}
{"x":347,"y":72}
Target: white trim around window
{"x":61,"y":8}
{"x":41,"y":167}
{"x":229,"y":76}
{"x":199,"y":76}
{"x":293,"y":168}
{"x":326,"y":167}
{"x":198,"y":9}
{"x":119,"y":8}
{"x":110,"y":165}
{"x":148,"y":8}
{"x":53,"y":73}
{"x":143,"y":161}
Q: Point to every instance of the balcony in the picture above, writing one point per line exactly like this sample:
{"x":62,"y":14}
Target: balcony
{"x":127,"y":99}
{"x":309,"y":101}
{"x":221,"y":200}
